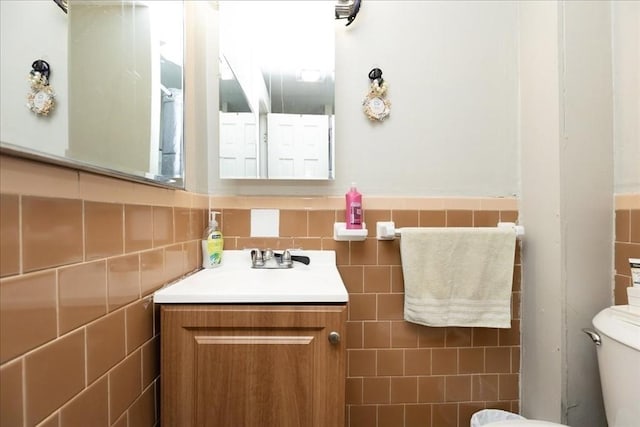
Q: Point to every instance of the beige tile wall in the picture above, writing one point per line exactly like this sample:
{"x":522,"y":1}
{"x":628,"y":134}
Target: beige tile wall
{"x":627,"y":243}
{"x":80,"y":257}
{"x":81,"y":254}
{"x":400,"y":374}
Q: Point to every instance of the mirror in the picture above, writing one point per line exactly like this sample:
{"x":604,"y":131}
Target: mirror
{"x":277,"y":73}
{"x":119,"y":102}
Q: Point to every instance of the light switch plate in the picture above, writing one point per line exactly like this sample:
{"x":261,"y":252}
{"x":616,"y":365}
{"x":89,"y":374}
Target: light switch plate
{"x":265,"y":223}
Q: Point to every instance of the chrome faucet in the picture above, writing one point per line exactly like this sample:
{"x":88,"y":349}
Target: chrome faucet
{"x":269,"y":259}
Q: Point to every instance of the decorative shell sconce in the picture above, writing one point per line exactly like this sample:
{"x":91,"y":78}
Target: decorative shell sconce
{"x":376,"y":105}
{"x":40,"y":99}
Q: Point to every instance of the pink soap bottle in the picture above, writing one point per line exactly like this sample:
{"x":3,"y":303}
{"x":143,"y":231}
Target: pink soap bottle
{"x":353,"y":208}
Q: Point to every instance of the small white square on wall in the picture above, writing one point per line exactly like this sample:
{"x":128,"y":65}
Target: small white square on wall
{"x":265,"y":223}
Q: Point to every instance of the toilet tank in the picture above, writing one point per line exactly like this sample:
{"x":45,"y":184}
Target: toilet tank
{"x":619,"y":363}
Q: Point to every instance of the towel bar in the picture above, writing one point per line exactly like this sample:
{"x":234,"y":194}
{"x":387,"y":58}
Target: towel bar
{"x":386,"y":230}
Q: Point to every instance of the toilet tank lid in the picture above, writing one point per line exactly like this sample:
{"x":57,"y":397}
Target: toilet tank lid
{"x":621,"y":323}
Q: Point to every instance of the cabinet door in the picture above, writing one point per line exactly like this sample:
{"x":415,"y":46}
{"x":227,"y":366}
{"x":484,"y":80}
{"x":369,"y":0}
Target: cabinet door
{"x":252,"y":366}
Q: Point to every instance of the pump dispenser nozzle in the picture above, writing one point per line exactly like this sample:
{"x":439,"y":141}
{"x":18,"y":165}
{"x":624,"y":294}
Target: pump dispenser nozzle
{"x":212,"y":218}
{"x":212,"y":243}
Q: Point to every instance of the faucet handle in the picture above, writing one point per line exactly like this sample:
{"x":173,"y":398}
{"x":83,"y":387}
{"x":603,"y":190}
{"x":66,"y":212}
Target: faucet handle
{"x":299,"y":258}
{"x":286,"y":258}
{"x":256,"y":258}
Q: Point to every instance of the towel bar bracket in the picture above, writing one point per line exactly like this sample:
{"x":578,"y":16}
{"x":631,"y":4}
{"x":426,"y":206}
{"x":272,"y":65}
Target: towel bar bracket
{"x":386,"y":230}
{"x":519,"y":229}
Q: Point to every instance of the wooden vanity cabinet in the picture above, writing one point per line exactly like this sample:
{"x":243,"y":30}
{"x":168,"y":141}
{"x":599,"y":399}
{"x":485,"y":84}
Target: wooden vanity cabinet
{"x":253,"y":365}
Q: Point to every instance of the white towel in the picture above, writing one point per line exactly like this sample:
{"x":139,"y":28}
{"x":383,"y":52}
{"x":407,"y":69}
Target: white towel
{"x":458,"y":276}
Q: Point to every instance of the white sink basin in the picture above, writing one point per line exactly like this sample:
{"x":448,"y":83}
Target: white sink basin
{"x":236,"y":282}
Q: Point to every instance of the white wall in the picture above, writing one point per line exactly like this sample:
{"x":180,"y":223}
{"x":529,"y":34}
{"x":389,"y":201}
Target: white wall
{"x":451,"y":68}
{"x":566,"y":204}
{"x":541,"y":373}
{"x":201,"y":119}
{"x":626,"y":95}
{"x":31,"y":30}
{"x":586,"y":188}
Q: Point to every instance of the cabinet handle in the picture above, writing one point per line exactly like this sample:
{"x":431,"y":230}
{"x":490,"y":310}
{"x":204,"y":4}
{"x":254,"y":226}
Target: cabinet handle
{"x":334,"y":337}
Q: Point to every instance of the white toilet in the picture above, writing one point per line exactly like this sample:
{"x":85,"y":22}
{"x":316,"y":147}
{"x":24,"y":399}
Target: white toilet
{"x":617,"y":336}
{"x":618,"y":346}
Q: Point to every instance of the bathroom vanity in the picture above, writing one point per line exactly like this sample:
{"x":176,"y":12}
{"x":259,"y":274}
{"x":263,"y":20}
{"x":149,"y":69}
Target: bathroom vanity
{"x":254,"y":347}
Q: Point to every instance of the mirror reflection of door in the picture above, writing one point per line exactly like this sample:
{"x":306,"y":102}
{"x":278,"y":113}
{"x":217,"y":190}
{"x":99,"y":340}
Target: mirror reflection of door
{"x":238,"y":145}
{"x":277,"y":89}
{"x":298,"y":146}
{"x":125,"y":87}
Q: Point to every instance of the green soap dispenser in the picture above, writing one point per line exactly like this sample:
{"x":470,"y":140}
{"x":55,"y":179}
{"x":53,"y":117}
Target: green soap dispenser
{"x":212,"y":243}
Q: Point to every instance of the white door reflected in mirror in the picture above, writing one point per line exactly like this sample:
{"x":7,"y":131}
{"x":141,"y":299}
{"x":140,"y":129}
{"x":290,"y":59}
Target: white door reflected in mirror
{"x":238,"y":145}
{"x":277,"y":90}
{"x":298,"y":145}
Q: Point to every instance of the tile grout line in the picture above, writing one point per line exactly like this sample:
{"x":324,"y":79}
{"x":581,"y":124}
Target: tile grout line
{"x":123,"y":233}
{"x":20,"y":244}
{"x":86,"y":358}
{"x":57,"y":290}
{"x":84,"y":230}
{"x":23,"y":368}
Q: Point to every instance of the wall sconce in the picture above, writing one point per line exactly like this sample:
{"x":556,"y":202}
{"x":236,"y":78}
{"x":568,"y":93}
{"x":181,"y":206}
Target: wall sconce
{"x":62,"y":4}
{"x":40,"y":99}
{"x":347,"y":9}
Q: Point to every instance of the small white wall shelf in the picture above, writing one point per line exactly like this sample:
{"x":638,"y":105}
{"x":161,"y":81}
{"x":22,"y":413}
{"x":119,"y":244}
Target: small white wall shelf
{"x":342,"y":233}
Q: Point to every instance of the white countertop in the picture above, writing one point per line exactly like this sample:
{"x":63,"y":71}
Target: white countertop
{"x":236,"y":282}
